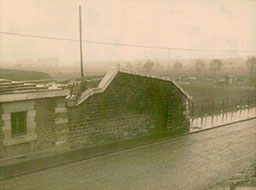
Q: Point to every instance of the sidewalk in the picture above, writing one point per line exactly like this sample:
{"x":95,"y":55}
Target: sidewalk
{"x":41,"y":161}
{"x":244,"y":180}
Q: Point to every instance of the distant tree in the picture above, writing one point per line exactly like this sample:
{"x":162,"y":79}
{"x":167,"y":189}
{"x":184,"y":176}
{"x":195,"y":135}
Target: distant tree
{"x":148,"y":66}
{"x":178,"y":66}
{"x":128,"y":66}
{"x":199,"y":66}
{"x":159,"y":66}
{"x":253,"y":82}
{"x":216,"y":65}
{"x":251,"y":64}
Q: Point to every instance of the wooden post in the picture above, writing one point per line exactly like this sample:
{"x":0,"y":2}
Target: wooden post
{"x":213,"y":111}
{"x":202,"y":113}
{"x":240,"y":107}
{"x":226,"y":109}
{"x":192,"y":111}
{"x":248,"y":106}
{"x":223,"y":109}
{"x":232,"y":108}
{"x":255,"y":103}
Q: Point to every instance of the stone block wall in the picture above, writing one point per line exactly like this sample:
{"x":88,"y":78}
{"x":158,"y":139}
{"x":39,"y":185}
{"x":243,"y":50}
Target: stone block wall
{"x":45,"y":120}
{"x":178,"y":115}
{"x":50,"y":118}
{"x":132,"y":106}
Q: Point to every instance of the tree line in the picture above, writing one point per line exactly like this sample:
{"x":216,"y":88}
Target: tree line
{"x":199,"y":66}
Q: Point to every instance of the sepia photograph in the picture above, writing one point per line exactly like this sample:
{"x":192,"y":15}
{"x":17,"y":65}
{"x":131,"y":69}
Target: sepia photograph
{"x":127,"y":94}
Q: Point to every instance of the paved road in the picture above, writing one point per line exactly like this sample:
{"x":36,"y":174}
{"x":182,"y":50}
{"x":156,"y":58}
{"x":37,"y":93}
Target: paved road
{"x":188,"y":162}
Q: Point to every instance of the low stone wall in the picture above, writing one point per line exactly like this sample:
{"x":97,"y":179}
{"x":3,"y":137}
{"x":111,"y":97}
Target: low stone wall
{"x":132,"y":106}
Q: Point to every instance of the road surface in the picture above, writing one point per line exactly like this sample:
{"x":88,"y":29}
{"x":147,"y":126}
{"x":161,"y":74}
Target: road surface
{"x":192,"y":161}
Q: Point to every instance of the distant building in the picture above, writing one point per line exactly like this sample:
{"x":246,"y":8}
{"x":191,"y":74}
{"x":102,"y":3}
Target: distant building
{"x":123,"y":106}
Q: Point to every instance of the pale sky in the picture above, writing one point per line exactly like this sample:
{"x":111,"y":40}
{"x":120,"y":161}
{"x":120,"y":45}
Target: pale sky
{"x":199,"y":24}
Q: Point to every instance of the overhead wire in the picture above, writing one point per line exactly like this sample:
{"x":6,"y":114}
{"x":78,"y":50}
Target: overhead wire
{"x":125,"y":44}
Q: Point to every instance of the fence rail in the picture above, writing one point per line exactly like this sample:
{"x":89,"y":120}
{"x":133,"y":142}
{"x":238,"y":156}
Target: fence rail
{"x":227,"y":105}
{"x":209,"y":114}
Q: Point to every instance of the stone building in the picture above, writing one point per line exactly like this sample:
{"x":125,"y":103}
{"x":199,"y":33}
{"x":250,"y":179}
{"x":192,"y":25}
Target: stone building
{"x":29,"y":117}
{"x":125,"y":105}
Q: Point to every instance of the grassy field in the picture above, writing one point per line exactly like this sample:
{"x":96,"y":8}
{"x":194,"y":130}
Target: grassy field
{"x":218,"y":94}
{"x":20,"y":75}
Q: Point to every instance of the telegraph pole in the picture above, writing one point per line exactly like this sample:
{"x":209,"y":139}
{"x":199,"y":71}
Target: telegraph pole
{"x":169,"y":55}
{"x":81,"y":43}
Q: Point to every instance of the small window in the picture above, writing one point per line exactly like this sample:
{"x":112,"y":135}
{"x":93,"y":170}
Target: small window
{"x":18,"y":123}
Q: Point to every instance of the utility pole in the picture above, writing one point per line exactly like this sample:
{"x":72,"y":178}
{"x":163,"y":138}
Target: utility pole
{"x":169,"y":55}
{"x":81,"y":43}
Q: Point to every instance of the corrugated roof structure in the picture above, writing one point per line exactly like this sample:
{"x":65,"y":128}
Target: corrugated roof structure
{"x":14,"y":87}
{"x":19,"y":90}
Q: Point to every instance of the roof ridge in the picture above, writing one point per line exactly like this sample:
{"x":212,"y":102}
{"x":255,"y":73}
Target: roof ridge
{"x":100,"y":89}
{"x":109,"y":77}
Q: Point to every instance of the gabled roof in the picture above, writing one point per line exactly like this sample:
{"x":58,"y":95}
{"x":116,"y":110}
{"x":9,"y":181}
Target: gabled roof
{"x":109,"y":77}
